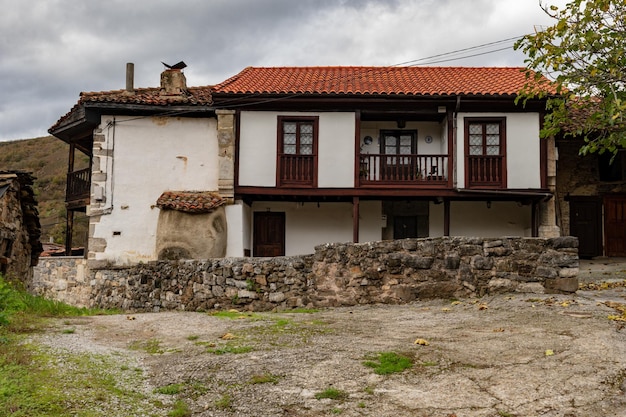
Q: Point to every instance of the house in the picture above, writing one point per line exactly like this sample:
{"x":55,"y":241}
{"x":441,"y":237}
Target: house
{"x":328,"y":154}
{"x":19,"y":225}
{"x":591,"y":198}
{"x":274,"y":161}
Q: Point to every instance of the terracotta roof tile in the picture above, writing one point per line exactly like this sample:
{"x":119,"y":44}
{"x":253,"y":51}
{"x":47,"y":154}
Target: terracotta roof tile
{"x":194,"y":96}
{"x":190,"y":201}
{"x":416,"y":81}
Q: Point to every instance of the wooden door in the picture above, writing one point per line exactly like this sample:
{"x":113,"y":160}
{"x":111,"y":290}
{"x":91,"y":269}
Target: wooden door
{"x":404,"y":227}
{"x":615,"y":224}
{"x":269,"y":234}
{"x":585,"y":222}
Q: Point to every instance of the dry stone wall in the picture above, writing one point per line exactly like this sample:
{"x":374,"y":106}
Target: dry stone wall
{"x":392,"y":272}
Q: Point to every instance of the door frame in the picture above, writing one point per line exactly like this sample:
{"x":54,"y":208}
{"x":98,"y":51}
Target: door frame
{"x":608,"y":249}
{"x":259,"y":219}
{"x":598,"y":226}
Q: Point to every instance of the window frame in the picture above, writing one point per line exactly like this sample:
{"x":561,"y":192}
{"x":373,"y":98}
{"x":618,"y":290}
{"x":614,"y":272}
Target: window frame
{"x":280,"y":154}
{"x":501,"y":121}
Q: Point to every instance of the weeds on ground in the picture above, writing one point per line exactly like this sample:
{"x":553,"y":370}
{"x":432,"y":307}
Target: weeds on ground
{"x":180,"y":409}
{"x":332,"y":393}
{"x":35,"y":382}
{"x":388,"y":363}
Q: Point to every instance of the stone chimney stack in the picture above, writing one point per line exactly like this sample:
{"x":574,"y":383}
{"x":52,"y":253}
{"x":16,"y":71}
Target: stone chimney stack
{"x":173,"y":82}
{"x":130,"y":78}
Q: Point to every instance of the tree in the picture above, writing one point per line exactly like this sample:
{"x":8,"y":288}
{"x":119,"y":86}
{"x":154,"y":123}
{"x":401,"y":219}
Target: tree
{"x":584,"y":55}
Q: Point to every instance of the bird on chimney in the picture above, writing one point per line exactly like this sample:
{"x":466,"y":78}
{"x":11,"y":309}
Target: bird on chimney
{"x":177,"y":66}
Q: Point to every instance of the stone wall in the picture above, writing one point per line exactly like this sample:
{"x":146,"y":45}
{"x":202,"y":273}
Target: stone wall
{"x":20,"y":229}
{"x":336,"y":274}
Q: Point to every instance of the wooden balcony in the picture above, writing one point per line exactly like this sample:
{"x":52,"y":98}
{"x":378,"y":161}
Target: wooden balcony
{"x":485,"y":171}
{"x":297,"y":170}
{"x":406,"y":170}
{"x":78,"y":188}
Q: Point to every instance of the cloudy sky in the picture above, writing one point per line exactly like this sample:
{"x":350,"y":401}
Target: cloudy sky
{"x":51,"y":50}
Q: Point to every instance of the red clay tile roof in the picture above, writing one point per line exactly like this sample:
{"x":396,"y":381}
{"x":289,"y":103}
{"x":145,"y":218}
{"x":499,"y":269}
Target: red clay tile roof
{"x":195,"y":96}
{"x":151,"y":96}
{"x":190,"y":201}
{"x":416,"y":81}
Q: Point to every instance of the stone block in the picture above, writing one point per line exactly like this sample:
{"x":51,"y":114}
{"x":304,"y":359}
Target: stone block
{"x":276,"y":297}
{"x":561,"y":285}
{"x":531,"y":287}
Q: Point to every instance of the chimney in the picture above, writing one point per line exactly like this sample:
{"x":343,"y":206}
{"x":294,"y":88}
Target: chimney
{"x":130,"y":78}
{"x":173,"y":82}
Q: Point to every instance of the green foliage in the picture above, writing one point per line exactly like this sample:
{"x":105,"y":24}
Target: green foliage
{"x":181,"y":409}
{"x":332,"y":393}
{"x":583,"y":53}
{"x":46,"y":158}
{"x":171,"y":389}
{"x":230,"y":349}
{"x":225,"y":402}
{"x":389,"y":363}
{"x":264,"y":379}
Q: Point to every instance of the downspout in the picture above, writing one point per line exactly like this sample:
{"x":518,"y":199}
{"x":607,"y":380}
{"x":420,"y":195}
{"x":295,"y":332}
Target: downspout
{"x":454,"y":142}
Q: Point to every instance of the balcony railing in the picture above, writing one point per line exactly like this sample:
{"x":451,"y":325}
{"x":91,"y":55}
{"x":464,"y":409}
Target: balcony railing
{"x":485,"y":170}
{"x":78,"y":185}
{"x":297,"y":169}
{"x":403,"y":169}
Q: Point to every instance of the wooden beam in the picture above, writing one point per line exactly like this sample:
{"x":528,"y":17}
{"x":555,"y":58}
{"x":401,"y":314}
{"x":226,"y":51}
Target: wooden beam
{"x":355,"y":219}
{"x":446,"y":217}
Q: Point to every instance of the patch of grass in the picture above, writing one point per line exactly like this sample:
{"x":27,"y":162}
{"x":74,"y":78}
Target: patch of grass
{"x":151,"y":346}
{"x":505,"y":414}
{"x":180,"y":409}
{"x":266,"y":378}
{"x":234,"y":315}
{"x":361,"y":404}
{"x":369,"y":390}
{"x":171,"y":389}
{"x":230,"y":349}
{"x":332,"y":393}
{"x":68,"y":331}
{"x":193,"y":337}
{"x":225,"y":402}
{"x":336,"y":410}
{"x":429,"y":363}
{"x":388,"y":363}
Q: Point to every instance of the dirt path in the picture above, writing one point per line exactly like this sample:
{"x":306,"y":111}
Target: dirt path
{"x":487,"y":357}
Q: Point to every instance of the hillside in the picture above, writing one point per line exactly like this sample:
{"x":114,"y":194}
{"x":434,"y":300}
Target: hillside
{"x":46,"y":158}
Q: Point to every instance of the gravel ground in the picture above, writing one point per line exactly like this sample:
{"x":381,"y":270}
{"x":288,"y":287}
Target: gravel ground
{"x":508,"y":355}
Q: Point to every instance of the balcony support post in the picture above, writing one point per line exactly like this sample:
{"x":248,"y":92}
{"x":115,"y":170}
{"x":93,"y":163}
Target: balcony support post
{"x":355,"y":219}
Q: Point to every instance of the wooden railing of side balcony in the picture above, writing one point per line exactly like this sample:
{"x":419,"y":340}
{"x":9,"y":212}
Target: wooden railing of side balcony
{"x":78,"y":185}
{"x":409,"y":169}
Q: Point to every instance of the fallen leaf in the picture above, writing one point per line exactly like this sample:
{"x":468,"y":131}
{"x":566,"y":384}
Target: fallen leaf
{"x":499,"y":330}
{"x":228,"y":336}
{"x":445,"y":309}
{"x":130,"y":317}
{"x":455,"y":303}
{"x":564,"y":304}
{"x":421,"y":342}
{"x":549,"y":352}
{"x":483,"y":307}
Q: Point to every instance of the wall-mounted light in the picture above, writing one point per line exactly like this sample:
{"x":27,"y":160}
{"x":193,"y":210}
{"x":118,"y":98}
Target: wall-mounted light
{"x":401,"y":124}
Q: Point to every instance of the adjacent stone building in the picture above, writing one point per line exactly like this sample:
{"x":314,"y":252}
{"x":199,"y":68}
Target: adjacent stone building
{"x":19,"y":225}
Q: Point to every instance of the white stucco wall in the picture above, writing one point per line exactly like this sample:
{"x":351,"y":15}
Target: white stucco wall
{"x":150,"y":155}
{"x":473,"y":218}
{"x":258,"y":143}
{"x":522,"y":148}
{"x":307,"y":225}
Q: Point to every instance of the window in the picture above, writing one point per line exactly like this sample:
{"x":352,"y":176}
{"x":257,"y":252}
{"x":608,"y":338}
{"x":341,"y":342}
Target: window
{"x":297,"y":151}
{"x":485,"y":141}
{"x":399,"y":142}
